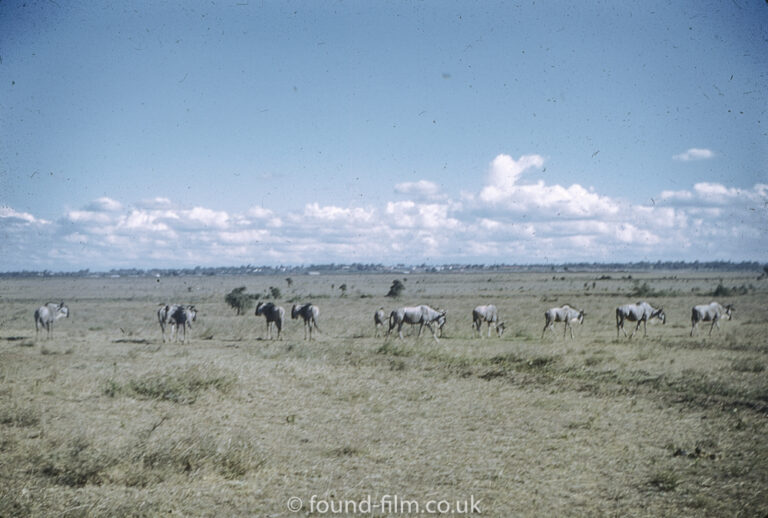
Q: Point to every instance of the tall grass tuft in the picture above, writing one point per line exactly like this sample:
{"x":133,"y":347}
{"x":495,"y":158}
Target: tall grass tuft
{"x":176,"y":386}
{"x":76,"y":463}
{"x":19,"y":416}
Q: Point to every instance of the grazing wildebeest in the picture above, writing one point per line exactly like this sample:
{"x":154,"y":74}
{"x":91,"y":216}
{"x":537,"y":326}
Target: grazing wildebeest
{"x":180,"y":319}
{"x":163,"y":313}
{"x":379,"y":319}
{"x":710,"y":312}
{"x":422,"y":315}
{"x":486,"y":314}
{"x":565,"y":314}
{"x":309,"y":313}
{"x":440,"y":324}
{"x":641,"y":313}
{"x":275,"y":315}
{"x":46,"y":315}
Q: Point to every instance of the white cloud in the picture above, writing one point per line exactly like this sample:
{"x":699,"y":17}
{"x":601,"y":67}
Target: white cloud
{"x":209,"y":218}
{"x":104,"y":204}
{"x":412,"y":215}
{"x":539,"y":199}
{"x":505,"y":220}
{"x":503,"y":175}
{"x":694,"y":154}
{"x":676,"y":195}
{"x":266,"y":215}
{"x":141,"y":221}
{"x":87,"y":216}
{"x":706,"y":194}
{"x":422,"y":188}
{"x":9,"y":215}
{"x":155,"y":203}
{"x":337,"y":214}
{"x":260,"y":213}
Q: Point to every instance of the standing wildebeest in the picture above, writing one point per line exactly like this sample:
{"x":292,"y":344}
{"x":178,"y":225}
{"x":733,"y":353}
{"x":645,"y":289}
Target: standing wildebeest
{"x":379,"y":319}
{"x":274,"y":315}
{"x":309,"y":313}
{"x":565,"y":314}
{"x":180,"y":319}
{"x":486,"y":314}
{"x":710,"y":312}
{"x":46,"y":315}
{"x":422,"y":315}
{"x":641,"y":313}
{"x":163,"y":314}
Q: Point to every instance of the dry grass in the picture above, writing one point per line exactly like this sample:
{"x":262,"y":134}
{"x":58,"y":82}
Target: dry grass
{"x":106,"y":420}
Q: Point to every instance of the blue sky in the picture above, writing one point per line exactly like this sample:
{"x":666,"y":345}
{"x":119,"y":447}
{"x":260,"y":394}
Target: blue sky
{"x":215,"y":133}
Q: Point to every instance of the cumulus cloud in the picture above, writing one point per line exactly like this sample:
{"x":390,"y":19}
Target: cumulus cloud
{"x":422,"y":189}
{"x":337,"y":214}
{"x":694,"y":154}
{"x":104,"y":204}
{"x":208,"y":218}
{"x":503,"y":174}
{"x":10,"y":216}
{"x":507,"y":219}
{"x":505,"y":191}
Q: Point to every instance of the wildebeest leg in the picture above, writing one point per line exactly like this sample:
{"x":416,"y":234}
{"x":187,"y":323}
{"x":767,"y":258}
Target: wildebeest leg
{"x":400,"y":329}
{"x":434,"y":331}
{"x":548,"y":324}
{"x":714,"y":323}
{"x":620,"y":325}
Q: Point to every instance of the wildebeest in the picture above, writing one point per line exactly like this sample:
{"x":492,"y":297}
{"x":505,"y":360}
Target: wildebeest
{"x":180,"y":319}
{"x":422,"y":315}
{"x":163,"y":313}
{"x":275,"y":315}
{"x":710,"y":312}
{"x":440,"y":324}
{"x":565,"y":314}
{"x":46,"y":315}
{"x":379,"y":319}
{"x":641,"y":313}
{"x":486,"y":314}
{"x":309,"y":313}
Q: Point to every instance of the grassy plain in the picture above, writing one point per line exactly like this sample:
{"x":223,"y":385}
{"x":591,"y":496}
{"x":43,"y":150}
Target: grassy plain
{"x":106,"y":420}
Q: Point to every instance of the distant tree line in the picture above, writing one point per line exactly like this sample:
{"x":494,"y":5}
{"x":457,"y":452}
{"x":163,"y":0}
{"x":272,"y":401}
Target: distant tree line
{"x":333,"y":268}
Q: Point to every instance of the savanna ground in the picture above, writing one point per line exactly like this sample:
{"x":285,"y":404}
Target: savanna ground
{"x":106,"y":420}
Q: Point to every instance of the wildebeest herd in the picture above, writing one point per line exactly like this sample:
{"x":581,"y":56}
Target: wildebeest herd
{"x":179,"y":318}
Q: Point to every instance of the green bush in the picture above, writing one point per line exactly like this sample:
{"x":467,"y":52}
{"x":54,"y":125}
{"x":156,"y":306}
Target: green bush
{"x":239,"y":300}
